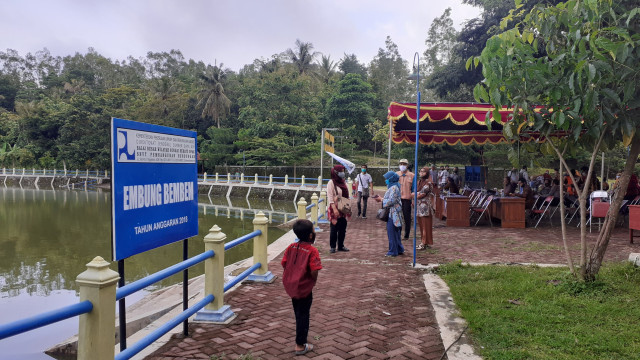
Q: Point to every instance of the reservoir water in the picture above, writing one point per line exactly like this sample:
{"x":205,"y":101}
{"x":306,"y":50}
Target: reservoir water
{"x":48,"y":236}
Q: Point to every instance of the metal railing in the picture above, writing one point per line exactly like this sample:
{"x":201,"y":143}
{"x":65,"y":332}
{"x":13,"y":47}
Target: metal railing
{"x":93,"y":329}
{"x":102,"y":174}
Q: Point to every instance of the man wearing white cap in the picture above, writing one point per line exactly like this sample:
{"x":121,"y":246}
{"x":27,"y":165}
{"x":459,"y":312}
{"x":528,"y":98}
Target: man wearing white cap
{"x":407,"y":186}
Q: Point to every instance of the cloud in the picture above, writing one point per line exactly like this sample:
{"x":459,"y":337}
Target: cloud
{"x":232,"y":32}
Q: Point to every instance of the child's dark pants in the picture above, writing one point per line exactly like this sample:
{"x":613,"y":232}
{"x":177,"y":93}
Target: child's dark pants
{"x":301,"y":308}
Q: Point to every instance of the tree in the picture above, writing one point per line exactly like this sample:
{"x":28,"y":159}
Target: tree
{"x":580,"y":59}
{"x":215,"y":102}
{"x":441,"y":41}
{"x":326,"y":69}
{"x":388,"y":77}
{"x":351,"y":107}
{"x":302,"y":57}
{"x":349,"y":64}
{"x":220,"y":149}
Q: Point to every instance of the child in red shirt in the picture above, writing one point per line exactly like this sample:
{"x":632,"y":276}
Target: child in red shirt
{"x":301,"y":263}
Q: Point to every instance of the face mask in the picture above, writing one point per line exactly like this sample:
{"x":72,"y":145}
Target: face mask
{"x":341,"y":174}
{"x":387,"y":182}
{"x":364,"y":170}
{"x":403,"y":167}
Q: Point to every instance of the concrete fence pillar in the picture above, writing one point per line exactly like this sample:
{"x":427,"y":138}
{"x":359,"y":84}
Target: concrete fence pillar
{"x":320,"y":181}
{"x":205,"y":177}
{"x":23,"y":171}
{"x":34,"y":171}
{"x":54,"y":172}
{"x":242,"y":178}
{"x":286,"y":180}
{"x":260,"y":222}
{"x":256,"y":177}
{"x":302,"y":181}
{"x":323,"y":204}
{"x":270,"y":179}
{"x":97,"y":328}
{"x":215,"y":311}
{"x":229,"y":178}
{"x":302,"y":211}
{"x":314,"y":210}
{"x":77,"y":172}
{"x":14,"y":171}
{"x":217,"y":177}
{"x":106,"y":174}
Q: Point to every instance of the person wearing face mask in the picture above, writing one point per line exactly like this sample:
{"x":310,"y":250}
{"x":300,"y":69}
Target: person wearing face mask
{"x":392,"y":201}
{"x":407,"y":186}
{"x":338,"y":221}
{"x":363,"y":184}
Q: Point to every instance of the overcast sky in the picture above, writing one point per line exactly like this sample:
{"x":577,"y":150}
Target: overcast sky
{"x":233,"y":32}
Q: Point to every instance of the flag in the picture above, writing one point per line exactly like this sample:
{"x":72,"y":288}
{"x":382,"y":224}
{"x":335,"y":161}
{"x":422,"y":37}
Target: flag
{"x":346,"y":163}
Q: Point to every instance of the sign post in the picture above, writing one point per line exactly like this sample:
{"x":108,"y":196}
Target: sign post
{"x":154,"y":191}
{"x":325,"y":147}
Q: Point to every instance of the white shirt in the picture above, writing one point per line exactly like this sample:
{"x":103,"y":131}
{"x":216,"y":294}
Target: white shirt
{"x":363,"y":181}
{"x":444,"y":175}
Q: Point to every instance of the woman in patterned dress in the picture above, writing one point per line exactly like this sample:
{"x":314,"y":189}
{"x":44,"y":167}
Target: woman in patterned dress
{"x":392,"y":201}
{"x":425,"y":209}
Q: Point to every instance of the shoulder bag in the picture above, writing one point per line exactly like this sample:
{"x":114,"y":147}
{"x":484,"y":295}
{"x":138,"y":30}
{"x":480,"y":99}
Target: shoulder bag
{"x":365,"y":190}
{"x":342,"y":203}
{"x":383,"y":214}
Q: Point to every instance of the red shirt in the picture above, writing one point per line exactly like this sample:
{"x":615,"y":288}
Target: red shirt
{"x":298,"y":261}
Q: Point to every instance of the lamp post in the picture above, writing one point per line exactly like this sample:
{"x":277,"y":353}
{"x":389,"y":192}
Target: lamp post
{"x":322,"y":150}
{"x":416,"y":76}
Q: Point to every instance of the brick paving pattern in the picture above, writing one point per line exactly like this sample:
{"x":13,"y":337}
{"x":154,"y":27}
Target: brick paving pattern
{"x":367,"y":306}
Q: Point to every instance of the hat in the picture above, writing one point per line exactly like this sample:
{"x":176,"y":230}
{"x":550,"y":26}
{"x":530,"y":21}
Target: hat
{"x":403,"y":161}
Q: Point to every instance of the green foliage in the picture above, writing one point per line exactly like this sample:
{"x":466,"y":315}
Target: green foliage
{"x":351,"y":107}
{"x":220,"y":147}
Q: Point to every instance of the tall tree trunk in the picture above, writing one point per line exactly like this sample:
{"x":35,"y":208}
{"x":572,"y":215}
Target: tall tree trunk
{"x":563,"y":226}
{"x":598,"y":251}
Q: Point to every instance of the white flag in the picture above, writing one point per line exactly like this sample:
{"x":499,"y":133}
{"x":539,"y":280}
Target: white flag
{"x":346,"y":163}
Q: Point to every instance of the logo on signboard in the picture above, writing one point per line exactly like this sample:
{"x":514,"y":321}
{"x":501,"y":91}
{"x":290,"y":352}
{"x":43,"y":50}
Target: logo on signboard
{"x":123,"y":146}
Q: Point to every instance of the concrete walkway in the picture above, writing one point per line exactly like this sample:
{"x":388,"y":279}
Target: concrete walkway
{"x":367,"y":306}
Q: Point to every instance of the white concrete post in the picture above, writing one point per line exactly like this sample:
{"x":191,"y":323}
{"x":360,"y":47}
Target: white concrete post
{"x":228,"y":177}
{"x":205,"y":177}
{"x":217,"y":177}
{"x":262,"y":274}
{"x":54,"y":172}
{"x":106,"y":174}
{"x":319,"y":181}
{"x":270,"y":179}
{"x":97,"y":328}
{"x":314,"y":210}
{"x":302,"y":181}
{"x":323,"y":204}
{"x":14,"y":171}
{"x":34,"y":171}
{"x":286,"y":180}
{"x":77,"y":172}
{"x":23,"y":171}
{"x":256,"y":179}
{"x":242,"y":178}
{"x":302,"y":211}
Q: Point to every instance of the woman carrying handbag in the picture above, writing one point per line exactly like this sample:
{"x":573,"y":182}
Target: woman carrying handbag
{"x":337,"y":193}
{"x":395,"y":222}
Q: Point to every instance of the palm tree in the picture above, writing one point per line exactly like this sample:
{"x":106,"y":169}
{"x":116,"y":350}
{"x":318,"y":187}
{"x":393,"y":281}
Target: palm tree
{"x":303,"y":56}
{"x":216,"y":103}
{"x":327,"y":68}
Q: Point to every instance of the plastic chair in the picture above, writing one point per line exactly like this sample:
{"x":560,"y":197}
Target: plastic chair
{"x":543,"y":209}
{"x":479,"y":211}
{"x":599,"y":206}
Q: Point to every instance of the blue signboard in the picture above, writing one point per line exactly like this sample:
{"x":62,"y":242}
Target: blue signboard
{"x":154,"y":186}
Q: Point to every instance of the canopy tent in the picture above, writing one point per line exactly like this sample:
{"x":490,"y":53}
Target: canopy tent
{"x":452,"y":123}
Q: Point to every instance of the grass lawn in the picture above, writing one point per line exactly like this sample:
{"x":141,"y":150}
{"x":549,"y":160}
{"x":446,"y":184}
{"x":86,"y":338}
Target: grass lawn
{"x":517,"y":312}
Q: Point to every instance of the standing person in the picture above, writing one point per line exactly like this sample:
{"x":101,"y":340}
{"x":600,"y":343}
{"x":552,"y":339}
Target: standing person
{"x":513,"y":175}
{"x":338,"y":228}
{"x":524,"y":174}
{"x":407,"y":185}
{"x":433,"y":175}
{"x":425,"y":210}
{"x":363,"y":183}
{"x":443,"y":176}
{"x":301,"y":263}
{"x":456,"y":178}
{"x":392,"y":200}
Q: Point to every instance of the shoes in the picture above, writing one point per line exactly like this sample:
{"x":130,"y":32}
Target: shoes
{"x":364,"y":216}
{"x":421,"y":247}
{"x":343,"y":249}
{"x":307,"y":347}
{"x":332,"y":251}
{"x":389,"y":255}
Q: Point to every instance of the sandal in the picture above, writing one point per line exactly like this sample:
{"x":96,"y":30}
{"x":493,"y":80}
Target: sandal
{"x":420,"y":247}
{"x":307,"y":347}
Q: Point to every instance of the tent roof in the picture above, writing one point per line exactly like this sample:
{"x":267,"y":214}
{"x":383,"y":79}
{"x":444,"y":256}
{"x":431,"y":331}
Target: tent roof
{"x":452,"y":123}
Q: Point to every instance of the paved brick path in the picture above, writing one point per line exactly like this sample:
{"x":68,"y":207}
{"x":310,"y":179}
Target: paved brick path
{"x":367,"y":306}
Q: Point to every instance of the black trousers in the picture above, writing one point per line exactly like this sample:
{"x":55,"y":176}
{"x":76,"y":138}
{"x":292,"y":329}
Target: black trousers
{"x":364,"y":206}
{"x":337,"y":233}
{"x":406,"y":213}
{"x":302,"y":307}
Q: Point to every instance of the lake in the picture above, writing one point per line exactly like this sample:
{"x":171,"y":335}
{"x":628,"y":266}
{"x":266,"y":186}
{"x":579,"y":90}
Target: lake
{"x":48,"y":236}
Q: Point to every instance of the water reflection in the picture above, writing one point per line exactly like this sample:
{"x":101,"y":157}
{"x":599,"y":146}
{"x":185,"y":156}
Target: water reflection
{"x":47,"y":237}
